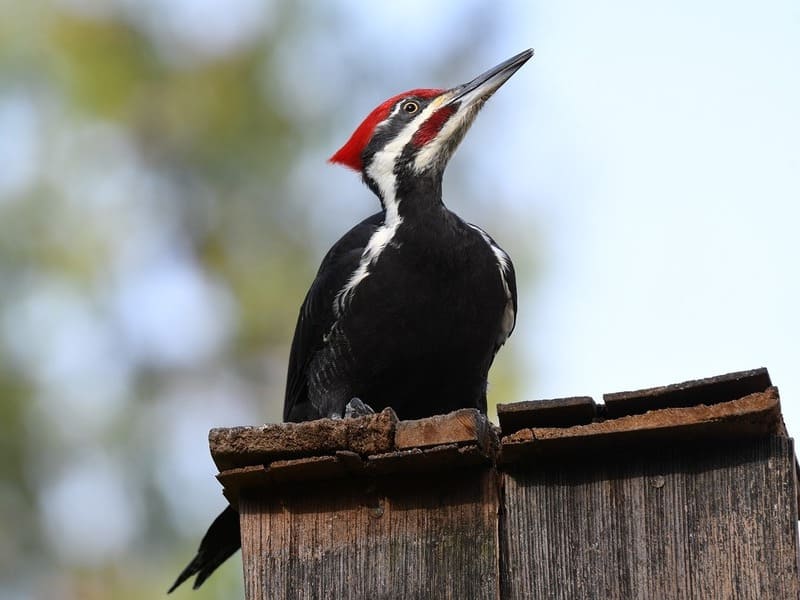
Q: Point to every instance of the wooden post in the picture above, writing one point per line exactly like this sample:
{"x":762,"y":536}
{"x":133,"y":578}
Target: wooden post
{"x":393,"y":510}
{"x":694,"y":499}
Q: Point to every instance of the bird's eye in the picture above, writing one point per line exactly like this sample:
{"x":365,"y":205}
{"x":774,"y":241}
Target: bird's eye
{"x":410,"y":107}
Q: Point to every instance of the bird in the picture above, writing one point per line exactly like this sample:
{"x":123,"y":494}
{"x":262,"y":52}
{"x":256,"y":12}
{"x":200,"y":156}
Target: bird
{"x":409,"y":308}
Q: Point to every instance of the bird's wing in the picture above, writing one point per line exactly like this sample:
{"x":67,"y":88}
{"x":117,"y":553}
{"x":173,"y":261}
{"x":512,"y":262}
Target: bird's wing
{"x":317,"y":315}
{"x":509,"y":279}
{"x":511,"y":282}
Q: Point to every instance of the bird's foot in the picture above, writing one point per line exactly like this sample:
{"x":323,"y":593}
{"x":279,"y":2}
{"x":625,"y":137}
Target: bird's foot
{"x":356,"y":408}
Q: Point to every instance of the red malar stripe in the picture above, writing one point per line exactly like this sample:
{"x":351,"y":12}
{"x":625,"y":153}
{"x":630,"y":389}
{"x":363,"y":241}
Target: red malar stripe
{"x":431,"y":128}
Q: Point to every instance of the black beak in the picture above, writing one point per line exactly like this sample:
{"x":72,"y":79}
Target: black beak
{"x":486,"y":84}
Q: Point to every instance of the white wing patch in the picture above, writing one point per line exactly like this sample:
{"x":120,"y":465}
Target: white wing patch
{"x":503,"y":265}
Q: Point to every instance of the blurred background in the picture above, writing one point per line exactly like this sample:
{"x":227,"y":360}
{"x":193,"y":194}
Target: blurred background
{"x":165,"y":202}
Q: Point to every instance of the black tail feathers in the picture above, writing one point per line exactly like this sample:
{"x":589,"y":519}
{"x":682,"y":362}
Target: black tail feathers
{"x":221,"y":540}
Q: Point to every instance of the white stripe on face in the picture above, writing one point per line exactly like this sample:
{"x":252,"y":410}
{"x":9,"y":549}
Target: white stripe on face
{"x":381,"y":171}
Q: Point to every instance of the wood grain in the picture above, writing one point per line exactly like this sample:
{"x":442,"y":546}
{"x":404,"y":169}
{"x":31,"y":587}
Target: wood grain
{"x":234,"y":447}
{"x":465,"y":426}
{"x":423,"y":537}
{"x":711,"y":390}
{"x":696,"y":499}
{"x":755,"y":415}
{"x":556,"y":412}
{"x":702,"y":522}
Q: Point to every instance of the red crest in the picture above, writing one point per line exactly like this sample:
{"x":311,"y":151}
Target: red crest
{"x":349,"y":155}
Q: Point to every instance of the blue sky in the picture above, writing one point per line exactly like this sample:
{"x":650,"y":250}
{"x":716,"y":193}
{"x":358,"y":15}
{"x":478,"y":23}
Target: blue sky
{"x":651,"y":153}
{"x":674,"y":238}
{"x":652,"y":150}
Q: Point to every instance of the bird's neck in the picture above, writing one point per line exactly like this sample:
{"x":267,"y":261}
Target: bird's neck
{"x":413,"y":199}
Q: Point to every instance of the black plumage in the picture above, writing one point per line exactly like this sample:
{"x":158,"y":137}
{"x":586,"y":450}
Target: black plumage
{"x":419,"y":332}
{"x":222,"y":539}
{"x":409,"y":307}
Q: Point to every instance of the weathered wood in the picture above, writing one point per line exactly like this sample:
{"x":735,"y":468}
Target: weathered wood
{"x":365,"y":447}
{"x":243,"y":446}
{"x":711,"y":390}
{"x":438,"y":458}
{"x":754,"y":415}
{"x":679,"y":522}
{"x":679,"y":502}
{"x":252,"y":476}
{"x":558,"y":412}
{"x":416,"y":537}
{"x":459,"y":427}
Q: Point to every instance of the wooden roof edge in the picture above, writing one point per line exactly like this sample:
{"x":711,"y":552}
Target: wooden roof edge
{"x":378,"y":444}
{"x":709,"y":390}
{"x":373,"y":435}
{"x":754,"y":415}
{"x":555,"y":412}
{"x":581,"y":410}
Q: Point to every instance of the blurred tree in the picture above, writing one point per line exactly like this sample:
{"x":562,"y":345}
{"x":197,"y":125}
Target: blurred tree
{"x":158,"y":229}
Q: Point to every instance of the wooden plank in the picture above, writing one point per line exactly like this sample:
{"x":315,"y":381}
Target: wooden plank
{"x":438,"y":458}
{"x":681,"y":523}
{"x":305,"y":469}
{"x":233,"y":480}
{"x":459,"y":427}
{"x":754,"y":415}
{"x":418,"y":537}
{"x":240,"y":477}
{"x":558,"y":412}
{"x":712,"y":390}
{"x":243,"y":446}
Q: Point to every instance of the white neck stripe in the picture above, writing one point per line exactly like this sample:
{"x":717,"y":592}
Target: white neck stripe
{"x":381,"y":171}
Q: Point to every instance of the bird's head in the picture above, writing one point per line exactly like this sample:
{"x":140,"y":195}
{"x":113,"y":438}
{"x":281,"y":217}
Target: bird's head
{"x":416,"y":132}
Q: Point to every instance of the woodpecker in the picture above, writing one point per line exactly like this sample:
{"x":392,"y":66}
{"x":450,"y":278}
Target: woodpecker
{"x":409,"y":308}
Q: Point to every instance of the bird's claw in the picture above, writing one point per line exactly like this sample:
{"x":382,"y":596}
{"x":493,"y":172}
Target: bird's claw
{"x":356,"y":408}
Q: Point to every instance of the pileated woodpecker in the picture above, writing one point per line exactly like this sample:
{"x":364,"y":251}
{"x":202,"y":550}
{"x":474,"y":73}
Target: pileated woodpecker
{"x":410,"y":306}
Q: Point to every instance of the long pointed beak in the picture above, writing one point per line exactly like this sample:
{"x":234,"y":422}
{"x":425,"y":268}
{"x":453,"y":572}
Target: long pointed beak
{"x":479,"y":89}
{"x":449,"y":116}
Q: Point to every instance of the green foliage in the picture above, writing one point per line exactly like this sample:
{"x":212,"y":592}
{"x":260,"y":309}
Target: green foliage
{"x":153,"y":254}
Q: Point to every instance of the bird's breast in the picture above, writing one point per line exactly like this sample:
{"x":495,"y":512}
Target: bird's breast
{"x":429,"y":295}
